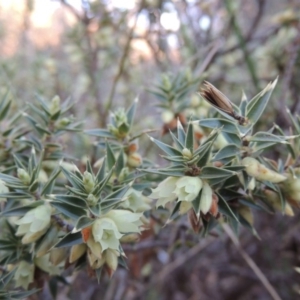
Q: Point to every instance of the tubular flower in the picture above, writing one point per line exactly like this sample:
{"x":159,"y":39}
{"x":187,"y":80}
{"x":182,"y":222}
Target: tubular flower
{"x":187,"y":188}
{"x":165,"y":191}
{"x":24,"y":274}
{"x":108,"y":229}
{"x":34,"y":224}
{"x":135,"y":201}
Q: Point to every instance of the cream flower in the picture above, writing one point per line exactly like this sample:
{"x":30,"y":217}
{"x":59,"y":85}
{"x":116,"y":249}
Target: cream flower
{"x":34,"y":223}
{"x":187,"y":188}
{"x":24,"y":274}
{"x":126,"y":221}
{"x":106,"y":233}
{"x":135,"y":201}
{"x":165,"y":191}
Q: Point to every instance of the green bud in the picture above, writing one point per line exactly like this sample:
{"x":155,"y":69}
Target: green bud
{"x":62,"y":123}
{"x":23,"y":176}
{"x":123,"y":174}
{"x":166,"y":82}
{"x":91,"y":200}
{"x":186,"y":153}
{"x":55,"y":105}
{"x":88,"y":181}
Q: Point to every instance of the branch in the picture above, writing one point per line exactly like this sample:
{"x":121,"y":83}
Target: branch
{"x":122,"y":62}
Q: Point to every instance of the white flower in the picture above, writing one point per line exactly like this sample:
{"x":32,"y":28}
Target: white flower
{"x":108,"y":229}
{"x":34,"y":224}
{"x":187,"y":188}
{"x":135,"y":201}
{"x":106,"y":233}
{"x":126,"y":221}
{"x":24,"y":274}
{"x":165,"y":191}
{"x":45,"y":264}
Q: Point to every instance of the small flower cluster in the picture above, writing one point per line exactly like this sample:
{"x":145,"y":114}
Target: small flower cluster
{"x":185,"y":189}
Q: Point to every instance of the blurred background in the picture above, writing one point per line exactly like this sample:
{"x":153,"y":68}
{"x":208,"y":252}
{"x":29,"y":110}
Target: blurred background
{"x":103,"y":53}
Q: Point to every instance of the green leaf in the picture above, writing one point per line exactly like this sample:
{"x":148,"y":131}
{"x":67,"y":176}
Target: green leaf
{"x":227,"y":126}
{"x":68,"y":210}
{"x":257,"y":105}
{"x":176,"y":141}
{"x":268,"y":137}
{"x":110,"y":156}
{"x":49,"y":185}
{"x":131,"y":112}
{"x":84,"y":222}
{"x":180,"y":132}
{"x":21,"y":210}
{"x":165,"y":172}
{"x":120,"y":163}
{"x":101,"y":172}
{"x":196,"y":204}
{"x":70,"y":240}
{"x":4,"y":106}
{"x":100,"y":133}
{"x":232,"y":138}
{"x":71,"y":200}
{"x":166,"y":148}
{"x":228,"y":151}
{"x":213,"y":172}
{"x":225,"y":208}
{"x":6,"y":278}
{"x":174,"y":213}
{"x":189,"y":140}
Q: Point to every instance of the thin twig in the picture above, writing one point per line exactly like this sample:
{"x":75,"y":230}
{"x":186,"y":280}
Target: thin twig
{"x":251,"y":263}
{"x":122,"y":62}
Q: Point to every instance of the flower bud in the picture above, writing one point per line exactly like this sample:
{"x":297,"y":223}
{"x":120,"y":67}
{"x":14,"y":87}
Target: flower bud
{"x":214,"y":210}
{"x":260,"y":172}
{"x":3,"y":189}
{"x":94,"y":261}
{"x":111,"y":259}
{"x":167,"y":116}
{"x":91,"y":200}
{"x":58,"y":255}
{"x":62,"y":123}
{"x":24,"y":274}
{"x":123,"y":174}
{"x":88,"y":181}
{"x":55,"y":105}
{"x":134,"y":160}
{"x":130,"y":238}
{"x":186,"y":153}
{"x":274,"y":200}
{"x":251,"y":185}
{"x":292,"y":188}
{"x":206,"y":198}
{"x":76,"y":252}
{"x":23,"y":176}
